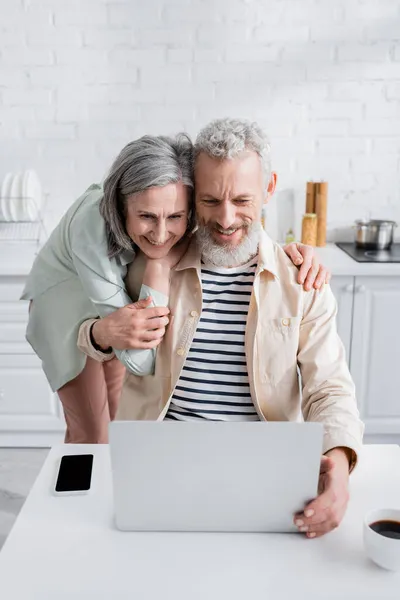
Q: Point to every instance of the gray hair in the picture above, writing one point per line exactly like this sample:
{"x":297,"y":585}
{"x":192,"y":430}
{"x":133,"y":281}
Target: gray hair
{"x":227,"y":138}
{"x":150,"y":161}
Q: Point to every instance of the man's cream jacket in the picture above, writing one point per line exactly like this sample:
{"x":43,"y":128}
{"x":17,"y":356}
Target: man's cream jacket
{"x":295,"y":358}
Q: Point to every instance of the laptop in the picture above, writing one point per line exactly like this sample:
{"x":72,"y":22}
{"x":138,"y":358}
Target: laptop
{"x":213,"y":476}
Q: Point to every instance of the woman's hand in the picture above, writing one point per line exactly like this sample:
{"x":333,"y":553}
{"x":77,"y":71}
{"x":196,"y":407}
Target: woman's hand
{"x":134,"y":326}
{"x":311,"y":272}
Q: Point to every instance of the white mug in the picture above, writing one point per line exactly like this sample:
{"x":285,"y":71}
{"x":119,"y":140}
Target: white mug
{"x":384,"y":551}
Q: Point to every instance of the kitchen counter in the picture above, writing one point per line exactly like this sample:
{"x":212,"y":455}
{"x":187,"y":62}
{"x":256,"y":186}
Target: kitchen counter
{"x":341,"y":263}
{"x":16,"y":258}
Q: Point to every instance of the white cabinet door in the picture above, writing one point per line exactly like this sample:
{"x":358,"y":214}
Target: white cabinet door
{"x":30,"y":414}
{"x":375,"y":352}
{"x":343,"y":289}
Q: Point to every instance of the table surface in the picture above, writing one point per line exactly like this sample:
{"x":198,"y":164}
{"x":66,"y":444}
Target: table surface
{"x":68,"y":547}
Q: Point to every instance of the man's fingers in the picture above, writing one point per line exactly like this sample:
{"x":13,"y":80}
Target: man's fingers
{"x":312,"y":535}
{"x":312,"y":274}
{"x":307,"y":263}
{"x":328,"y":276}
{"x":326,"y":465}
{"x":319,"y":516}
{"x":318,"y":529}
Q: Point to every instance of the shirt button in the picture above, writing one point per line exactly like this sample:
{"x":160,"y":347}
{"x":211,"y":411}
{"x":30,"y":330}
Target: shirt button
{"x":194,"y":313}
{"x":180,"y":351}
{"x":285,"y":321}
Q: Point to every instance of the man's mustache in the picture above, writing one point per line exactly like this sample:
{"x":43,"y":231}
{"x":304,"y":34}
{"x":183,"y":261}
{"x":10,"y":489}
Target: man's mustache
{"x":215,"y":226}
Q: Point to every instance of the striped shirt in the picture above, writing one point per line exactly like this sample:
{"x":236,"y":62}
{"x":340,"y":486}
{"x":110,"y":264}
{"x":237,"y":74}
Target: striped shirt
{"x":214,"y":384}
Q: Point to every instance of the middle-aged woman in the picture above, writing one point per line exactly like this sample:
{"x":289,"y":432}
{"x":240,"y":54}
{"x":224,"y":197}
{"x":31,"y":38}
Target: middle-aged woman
{"x":79,"y":273}
{"x":144,"y":205}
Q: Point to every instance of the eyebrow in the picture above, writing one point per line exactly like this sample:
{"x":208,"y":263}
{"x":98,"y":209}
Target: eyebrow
{"x":150,"y":214}
{"x":238,"y":197}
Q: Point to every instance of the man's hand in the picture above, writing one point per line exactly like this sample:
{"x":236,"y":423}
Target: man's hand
{"x":311,"y":272}
{"x":326,"y":512}
{"x":132,"y":327}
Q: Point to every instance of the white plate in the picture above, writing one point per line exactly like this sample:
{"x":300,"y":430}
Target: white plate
{"x":32,"y":193}
{"x":15,"y":198}
{"x":5,"y":193}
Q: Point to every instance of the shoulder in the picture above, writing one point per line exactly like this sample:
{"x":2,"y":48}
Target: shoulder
{"x":288,"y":273}
{"x":274,"y":259}
{"x":87,"y":222}
{"x":286,"y":270}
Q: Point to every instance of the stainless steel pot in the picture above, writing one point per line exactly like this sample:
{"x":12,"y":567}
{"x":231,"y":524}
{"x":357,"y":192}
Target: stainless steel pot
{"x":374,"y":234}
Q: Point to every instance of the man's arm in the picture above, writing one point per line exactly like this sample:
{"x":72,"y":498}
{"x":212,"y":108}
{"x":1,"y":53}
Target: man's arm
{"x":328,"y":393}
{"x":328,"y":398}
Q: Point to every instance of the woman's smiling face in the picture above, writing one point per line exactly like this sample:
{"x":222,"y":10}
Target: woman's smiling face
{"x":157,"y":218}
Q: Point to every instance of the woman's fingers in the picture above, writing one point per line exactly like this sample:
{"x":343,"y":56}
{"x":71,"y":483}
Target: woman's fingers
{"x":156,"y":323}
{"x":149,"y":336}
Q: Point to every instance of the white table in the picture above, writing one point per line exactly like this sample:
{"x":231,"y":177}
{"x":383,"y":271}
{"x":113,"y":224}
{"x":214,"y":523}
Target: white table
{"x":63,"y":548}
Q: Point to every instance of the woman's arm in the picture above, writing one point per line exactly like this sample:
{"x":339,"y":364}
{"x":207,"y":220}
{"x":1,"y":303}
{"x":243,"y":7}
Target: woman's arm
{"x":102,"y":279}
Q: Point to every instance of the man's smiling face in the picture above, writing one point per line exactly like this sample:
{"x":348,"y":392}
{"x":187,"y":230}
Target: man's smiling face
{"x":229,"y":196}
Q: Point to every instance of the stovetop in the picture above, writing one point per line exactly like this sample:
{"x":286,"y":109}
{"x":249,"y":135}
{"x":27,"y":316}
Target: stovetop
{"x":371,"y":256}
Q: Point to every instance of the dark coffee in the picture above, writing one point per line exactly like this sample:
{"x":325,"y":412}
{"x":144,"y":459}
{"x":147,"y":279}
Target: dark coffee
{"x":390,"y":529}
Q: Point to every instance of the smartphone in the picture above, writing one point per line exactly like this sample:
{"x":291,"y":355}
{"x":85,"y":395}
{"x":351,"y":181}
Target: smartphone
{"x":74,"y":475}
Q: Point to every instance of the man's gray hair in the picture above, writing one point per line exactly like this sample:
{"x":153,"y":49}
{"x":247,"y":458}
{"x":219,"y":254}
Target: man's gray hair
{"x":227,"y":138}
{"x":150,"y":161}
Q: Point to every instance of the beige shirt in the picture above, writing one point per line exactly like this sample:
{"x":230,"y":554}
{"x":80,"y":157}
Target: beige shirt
{"x":288,"y":329}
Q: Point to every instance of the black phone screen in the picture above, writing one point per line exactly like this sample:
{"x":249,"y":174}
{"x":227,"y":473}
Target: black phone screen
{"x":75,"y":473}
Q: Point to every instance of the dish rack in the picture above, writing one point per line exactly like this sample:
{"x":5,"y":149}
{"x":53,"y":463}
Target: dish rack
{"x":27,"y":231}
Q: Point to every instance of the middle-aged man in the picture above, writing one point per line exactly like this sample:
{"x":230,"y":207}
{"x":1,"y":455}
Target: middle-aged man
{"x":240,"y":326}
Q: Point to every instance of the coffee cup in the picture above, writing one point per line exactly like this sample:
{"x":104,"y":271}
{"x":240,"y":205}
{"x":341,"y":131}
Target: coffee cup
{"x":382,"y":537}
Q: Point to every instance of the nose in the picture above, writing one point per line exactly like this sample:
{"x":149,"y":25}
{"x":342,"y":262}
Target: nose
{"x":161,"y":231}
{"x":226,"y":215}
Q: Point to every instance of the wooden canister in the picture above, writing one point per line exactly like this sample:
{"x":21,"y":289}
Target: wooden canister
{"x":321,"y":206}
{"x":310,"y":197}
{"x":309,"y":229}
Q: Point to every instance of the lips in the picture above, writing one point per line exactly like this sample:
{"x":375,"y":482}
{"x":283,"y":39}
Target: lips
{"x":227,"y":231}
{"x":157,"y":244}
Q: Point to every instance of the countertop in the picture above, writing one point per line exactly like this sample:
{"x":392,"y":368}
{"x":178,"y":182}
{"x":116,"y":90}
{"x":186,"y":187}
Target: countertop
{"x":16,"y":259}
{"x":341,"y":263}
{"x":61,"y":548}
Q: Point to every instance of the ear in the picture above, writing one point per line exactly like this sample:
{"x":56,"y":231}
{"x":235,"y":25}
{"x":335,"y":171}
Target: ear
{"x":271,"y":187}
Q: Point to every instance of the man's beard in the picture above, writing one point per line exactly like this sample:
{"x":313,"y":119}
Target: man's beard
{"x":227,"y":255}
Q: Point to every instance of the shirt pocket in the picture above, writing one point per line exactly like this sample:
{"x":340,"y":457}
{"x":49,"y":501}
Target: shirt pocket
{"x":277,"y":350}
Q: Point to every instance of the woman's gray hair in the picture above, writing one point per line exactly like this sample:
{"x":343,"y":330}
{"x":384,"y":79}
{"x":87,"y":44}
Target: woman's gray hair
{"x":227,"y":138}
{"x":150,"y":161}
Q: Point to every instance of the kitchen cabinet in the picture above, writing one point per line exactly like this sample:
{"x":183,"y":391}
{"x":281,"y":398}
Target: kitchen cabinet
{"x":343,"y":289}
{"x":375,"y":352}
{"x":30,"y":413}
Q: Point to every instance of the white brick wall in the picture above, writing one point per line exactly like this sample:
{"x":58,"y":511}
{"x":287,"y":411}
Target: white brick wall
{"x":79,"y":79}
